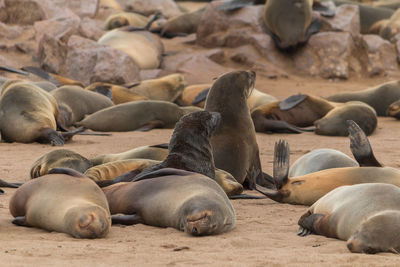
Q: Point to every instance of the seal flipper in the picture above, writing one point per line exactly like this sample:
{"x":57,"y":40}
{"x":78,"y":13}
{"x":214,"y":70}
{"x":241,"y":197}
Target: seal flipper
{"x":314,"y":27}
{"x":11,"y":185}
{"x":233,"y":5}
{"x":281,"y":163}
{"x":292,"y":101}
{"x":360,"y":146}
{"x":14,"y":70}
{"x":245,"y":196}
{"x":67,"y":171}
{"x":165,"y":146}
{"x":20,"y":221}
{"x":151,"y":125}
{"x":42,"y":74}
{"x":68,"y":135}
{"x":307,"y":222}
{"x":126,"y":219}
{"x":48,"y":135}
{"x":202,"y":96}
{"x":325,"y":8}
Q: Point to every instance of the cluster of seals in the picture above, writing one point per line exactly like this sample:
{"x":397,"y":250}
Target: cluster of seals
{"x":184,"y":200}
{"x":366,"y":215}
{"x":78,"y":206}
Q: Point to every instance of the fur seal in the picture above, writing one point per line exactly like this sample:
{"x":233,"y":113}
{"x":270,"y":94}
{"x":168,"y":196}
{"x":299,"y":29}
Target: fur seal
{"x":307,"y":189}
{"x":379,"y":97}
{"x":74,"y":103}
{"x":144,"y":47}
{"x":121,"y":19}
{"x":366,"y":215}
{"x":184,"y":200}
{"x":62,"y":203}
{"x":234,"y":144}
{"x":320,"y":159}
{"x":154,"y":152}
{"x":59,"y":158}
{"x":334,"y":122}
{"x":29,"y":114}
{"x":117,"y":94}
{"x":147,"y":115}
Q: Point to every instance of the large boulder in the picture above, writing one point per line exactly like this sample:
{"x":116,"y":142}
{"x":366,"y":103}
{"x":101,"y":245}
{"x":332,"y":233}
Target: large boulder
{"x":381,"y":55}
{"x":24,"y":12}
{"x":346,"y":19}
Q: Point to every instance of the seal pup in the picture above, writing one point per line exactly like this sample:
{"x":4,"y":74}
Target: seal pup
{"x":366,"y":215}
{"x":59,"y":158}
{"x":74,"y":103}
{"x":62,"y":203}
{"x":234,"y":144}
{"x":139,"y":115}
{"x":184,"y":200}
{"x":307,"y":189}
{"x":379,"y":97}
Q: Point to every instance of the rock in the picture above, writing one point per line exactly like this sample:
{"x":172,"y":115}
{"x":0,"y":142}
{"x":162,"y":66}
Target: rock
{"x":218,"y":28}
{"x":346,"y":19}
{"x":24,"y":12}
{"x":328,"y":54}
{"x":91,"y":29}
{"x":150,"y":74}
{"x":168,"y":8}
{"x":82,"y":8}
{"x":89,"y":62}
{"x":381,"y":55}
{"x":9,"y":31}
{"x":52,"y":53}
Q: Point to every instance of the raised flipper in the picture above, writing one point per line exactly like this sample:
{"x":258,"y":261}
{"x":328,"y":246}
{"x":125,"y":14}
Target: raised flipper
{"x":281,"y":163}
{"x":325,"y":8}
{"x":11,"y":185}
{"x":42,"y":74}
{"x":165,"y":146}
{"x":67,"y":171}
{"x":126,"y":219}
{"x":20,"y":221}
{"x":292,"y":101}
{"x":151,"y":125}
{"x":360,"y":146}
{"x":307,"y":222}
{"x":68,"y":135}
{"x":14,"y":70}
{"x":202,"y":96}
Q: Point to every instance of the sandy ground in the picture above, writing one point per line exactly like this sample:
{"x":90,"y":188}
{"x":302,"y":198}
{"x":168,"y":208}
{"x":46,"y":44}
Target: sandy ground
{"x":265,"y":233}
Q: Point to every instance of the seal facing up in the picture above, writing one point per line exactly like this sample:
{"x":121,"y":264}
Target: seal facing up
{"x":62,"y":203}
{"x":184,"y":200}
{"x":366,"y":215}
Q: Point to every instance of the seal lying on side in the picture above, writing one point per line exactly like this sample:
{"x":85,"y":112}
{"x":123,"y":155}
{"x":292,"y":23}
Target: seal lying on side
{"x":234,"y":144}
{"x":379,"y":97}
{"x":307,"y":189}
{"x":366,"y":215}
{"x":74,"y":103}
{"x":143,"y":115}
{"x":62,"y":203}
{"x":60,"y":158}
{"x":187,"y":201}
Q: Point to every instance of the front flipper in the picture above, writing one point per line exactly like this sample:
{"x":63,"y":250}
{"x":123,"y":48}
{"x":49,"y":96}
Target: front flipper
{"x":325,"y":8}
{"x":292,"y":101}
{"x":281,"y":163}
{"x":14,"y":70}
{"x":307,"y":223}
{"x":11,"y":185}
{"x":202,"y":96}
{"x":160,"y":173}
{"x":20,"y":221}
{"x":126,"y":219}
{"x":360,"y":146}
{"x":245,"y":196}
{"x":67,"y":171}
{"x":314,"y":27}
{"x":151,"y":125}
{"x":68,"y":135}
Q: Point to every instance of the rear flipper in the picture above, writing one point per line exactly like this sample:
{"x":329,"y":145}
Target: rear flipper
{"x":281,"y":163}
{"x":14,"y":70}
{"x":20,"y":221}
{"x":51,"y":136}
{"x":360,"y":146}
{"x":11,"y":185}
{"x":126,"y":219}
{"x":67,"y":171}
{"x":68,"y":135}
{"x":245,"y":196}
{"x":307,"y":222}
{"x":278,"y":126}
{"x":42,"y":74}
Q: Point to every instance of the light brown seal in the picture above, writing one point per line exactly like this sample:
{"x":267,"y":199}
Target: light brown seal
{"x":121,"y":19}
{"x":62,"y":203}
{"x":184,"y":200}
{"x":366,"y":215}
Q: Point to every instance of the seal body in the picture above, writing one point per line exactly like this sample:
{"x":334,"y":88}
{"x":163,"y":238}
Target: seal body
{"x":234,"y":144}
{"x":366,"y":215}
{"x":186,"y":201}
{"x":62,"y":203}
{"x":120,"y":19}
{"x":320,"y":159}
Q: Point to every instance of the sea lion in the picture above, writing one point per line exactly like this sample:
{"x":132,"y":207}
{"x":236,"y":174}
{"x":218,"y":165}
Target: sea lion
{"x":60,"y":158}
{"x":334,"y":122}
{"x":379,"y":97}
{"x":306,"y":189}
{"x":234,"y":144}
{"x":118,"y":94}
{"x":138,"y":115}
{"x":75,"y":103}
{"x":29,"y":114}
{"x":144,"y":47}
{"x":62,"y":203}
{"x":187,"y":201}
{"x":366,"y":215}
{"x":125,"y":19}
{"x":320,"y":159}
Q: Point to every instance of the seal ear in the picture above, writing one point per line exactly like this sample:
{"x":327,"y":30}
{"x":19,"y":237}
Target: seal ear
{"x":360,"y":146}
{"x":281,"y":163}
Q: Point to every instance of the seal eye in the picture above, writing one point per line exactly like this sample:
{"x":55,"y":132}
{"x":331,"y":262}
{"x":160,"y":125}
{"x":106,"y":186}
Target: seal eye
{"x":194,"y":231}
